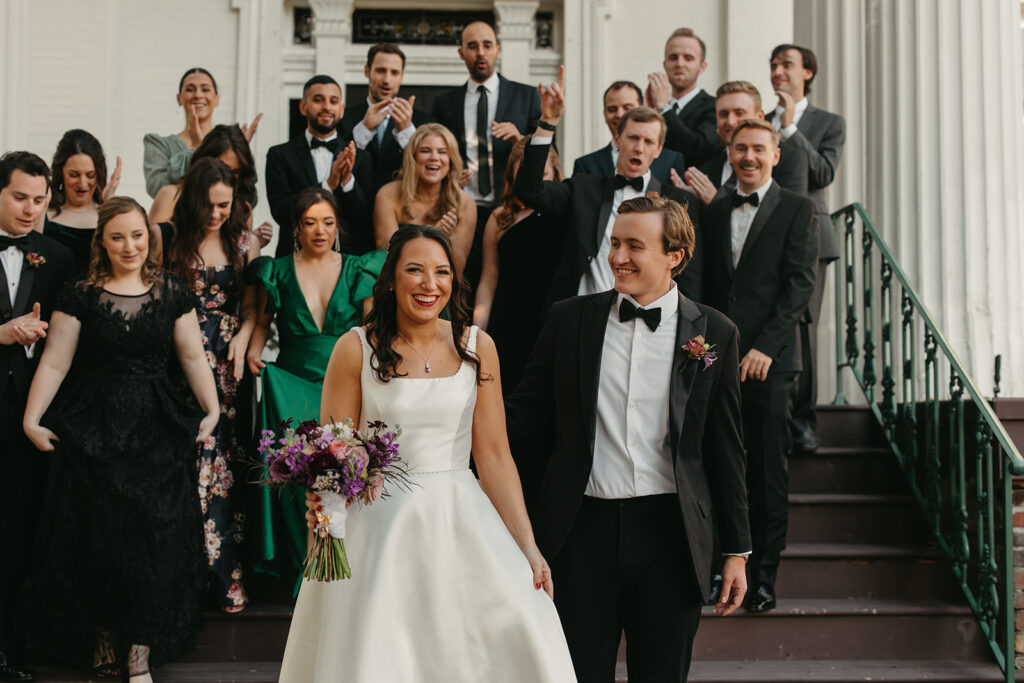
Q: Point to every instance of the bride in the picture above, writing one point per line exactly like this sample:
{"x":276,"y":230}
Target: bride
{"x":447,"y":582}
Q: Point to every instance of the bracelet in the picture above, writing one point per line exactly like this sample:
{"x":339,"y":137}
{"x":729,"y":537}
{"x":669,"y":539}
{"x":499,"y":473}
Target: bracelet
{"x":546,"y":126}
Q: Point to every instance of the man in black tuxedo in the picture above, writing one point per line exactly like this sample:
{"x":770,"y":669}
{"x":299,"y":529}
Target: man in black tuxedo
{"x":620,"y":97}
{"x":820,"y":135}
{"x":34,"y":269}
{"x":383,"y":124}
{"x":589,"y":204}
{"x":322,"y":157}
{"x":486,"y":115}
{"x":647,"y":451}
{"x":760,"y":244}
{"x":689,"y":112}
{"x":736,"y":101}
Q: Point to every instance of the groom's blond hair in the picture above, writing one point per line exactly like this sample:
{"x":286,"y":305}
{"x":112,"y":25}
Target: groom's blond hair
{"x":677,"y":228}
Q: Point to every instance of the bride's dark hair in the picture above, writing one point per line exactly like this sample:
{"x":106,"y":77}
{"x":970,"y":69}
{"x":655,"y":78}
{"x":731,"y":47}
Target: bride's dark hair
{"x":382,"y":320}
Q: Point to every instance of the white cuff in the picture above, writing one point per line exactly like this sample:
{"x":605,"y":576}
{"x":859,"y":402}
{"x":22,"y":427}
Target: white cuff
{"x":30,"y":350}
{"x":362,"y":135}
{"x":403,"y":136}
{"x":542,"y":141}
{"x":347,"y":187}
{"x":787,"y":132}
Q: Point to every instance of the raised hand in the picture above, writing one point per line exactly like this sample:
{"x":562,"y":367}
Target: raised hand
{"x":111,"y":189}
{"x":250,"y":130}
{"x":264,"y":232}
{"x":341,"y":169}
{"x":377,"y":112}
{"x":401,"y":112}
{"x":505,"y":131}
{"x":658,"y":90}
{"x":192,"y":127}
{"x":788,"y":106}
{"x":699,"y":184}
{"x":448,"y":222}
{"x":552,"y":99}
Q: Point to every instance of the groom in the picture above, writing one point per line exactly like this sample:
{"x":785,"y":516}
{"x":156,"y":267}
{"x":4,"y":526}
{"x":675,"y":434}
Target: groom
{"x":647,"y":449}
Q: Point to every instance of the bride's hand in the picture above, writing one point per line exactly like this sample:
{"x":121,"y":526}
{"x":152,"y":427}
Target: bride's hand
{"x":312,"y":507}
{"x":541,"y":571}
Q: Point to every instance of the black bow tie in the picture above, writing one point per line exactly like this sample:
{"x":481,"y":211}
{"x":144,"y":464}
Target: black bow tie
{"x":651,"y":316}
{"x":620,"y":181}
{"x":331,"y":144}
{"x":740,"y":200}
{"x":16,"y":242}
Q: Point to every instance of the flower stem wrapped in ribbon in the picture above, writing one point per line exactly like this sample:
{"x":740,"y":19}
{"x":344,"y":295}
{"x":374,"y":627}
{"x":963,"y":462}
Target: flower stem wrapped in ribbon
{"x":343,"y":466}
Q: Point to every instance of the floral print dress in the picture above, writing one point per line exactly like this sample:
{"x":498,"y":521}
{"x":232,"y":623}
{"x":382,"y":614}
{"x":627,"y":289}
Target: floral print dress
{"x":221,"y":462}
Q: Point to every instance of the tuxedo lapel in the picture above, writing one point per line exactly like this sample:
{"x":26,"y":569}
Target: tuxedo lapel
{"x":725,"y":221}
{"x":684,"y":369}
{"x":504,"y":100}
{"x":764,"y":212}
{"x":592,"y":328}
{"x":28,"y":278}
{"x":603,"y":213}
{"x":6,"y":308}
{"x":653,"y":186}
{"x":604,"y":161}
{"x":302,"y":154}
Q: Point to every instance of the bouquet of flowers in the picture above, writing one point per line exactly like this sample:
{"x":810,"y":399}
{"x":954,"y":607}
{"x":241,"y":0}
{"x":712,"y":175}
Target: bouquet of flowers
{"x":340,"y":464}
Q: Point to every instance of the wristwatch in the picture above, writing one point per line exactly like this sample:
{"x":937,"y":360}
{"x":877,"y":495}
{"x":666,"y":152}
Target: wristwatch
{"x":546,"y":126}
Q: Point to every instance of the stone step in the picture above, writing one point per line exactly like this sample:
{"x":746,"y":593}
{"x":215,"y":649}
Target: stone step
{"x":839,"y":570}
{"x":838,"y":671}
{"x":837,"y":469}
{"x":849,"y":426}
{"x":257,"y":634}
{"x":856,"y":518}
{"x":832,"y":629}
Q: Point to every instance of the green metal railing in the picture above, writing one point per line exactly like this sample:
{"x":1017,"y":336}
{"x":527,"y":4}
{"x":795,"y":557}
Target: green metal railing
{"x":956,"y":455}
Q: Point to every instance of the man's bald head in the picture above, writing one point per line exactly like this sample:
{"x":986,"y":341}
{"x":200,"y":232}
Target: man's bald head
{"x":479,"y":50}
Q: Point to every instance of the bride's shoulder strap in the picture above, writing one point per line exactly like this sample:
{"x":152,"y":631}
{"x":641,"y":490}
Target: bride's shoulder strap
{"x":471,"y":341}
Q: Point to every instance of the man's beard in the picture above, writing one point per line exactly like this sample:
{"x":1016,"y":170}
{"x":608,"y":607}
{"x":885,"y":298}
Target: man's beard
{"x":320,"y":128}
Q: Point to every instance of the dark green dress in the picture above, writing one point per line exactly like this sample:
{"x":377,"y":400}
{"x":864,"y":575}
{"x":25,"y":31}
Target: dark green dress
{"x":291,"y":389}
{"x":78,"y":240}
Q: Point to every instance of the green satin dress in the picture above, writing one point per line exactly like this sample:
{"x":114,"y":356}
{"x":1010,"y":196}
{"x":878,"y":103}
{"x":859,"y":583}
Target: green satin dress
{"x":291,"y":389}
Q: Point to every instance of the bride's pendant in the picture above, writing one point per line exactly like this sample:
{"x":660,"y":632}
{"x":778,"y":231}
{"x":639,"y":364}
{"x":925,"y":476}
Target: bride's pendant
{"x":427,"y":366}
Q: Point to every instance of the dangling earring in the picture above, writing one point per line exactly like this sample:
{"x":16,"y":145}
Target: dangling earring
{"x":337,"y":242}
{"x":296,"y":243}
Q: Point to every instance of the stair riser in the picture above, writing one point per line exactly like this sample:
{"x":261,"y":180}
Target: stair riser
{"x":845,"y":474}
{"x":849,"y":428}
{"x":906,"y":579}
{"x":241,"y":640}
{"x":927,"y":636}
{"x":881,"y":523}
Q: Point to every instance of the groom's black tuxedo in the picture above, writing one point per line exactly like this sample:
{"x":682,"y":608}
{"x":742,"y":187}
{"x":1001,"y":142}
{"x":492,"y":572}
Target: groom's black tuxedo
{"x":290,"y":170}
{"x":23,"y":466}
{"x":562,"y":380}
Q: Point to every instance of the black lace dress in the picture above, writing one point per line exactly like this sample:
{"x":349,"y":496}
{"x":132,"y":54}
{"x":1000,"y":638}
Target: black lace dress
{"x":121,"y":541}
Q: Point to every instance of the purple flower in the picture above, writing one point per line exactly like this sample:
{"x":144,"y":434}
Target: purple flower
{"x":283,"y":469}
{"x":307,"y":428}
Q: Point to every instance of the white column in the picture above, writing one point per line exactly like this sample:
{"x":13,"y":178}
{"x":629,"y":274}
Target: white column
{"x":332,"y":31}
{"x":934,"y":147}
{"x":516,"y":31}
{"x":12,"y":79}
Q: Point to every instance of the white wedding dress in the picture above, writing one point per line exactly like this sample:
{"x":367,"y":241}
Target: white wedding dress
{"x":440,"y":592}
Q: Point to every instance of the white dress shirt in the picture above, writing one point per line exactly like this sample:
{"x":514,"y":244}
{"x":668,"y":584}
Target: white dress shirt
{"x":632,"y":449}
{"x":680,"y":103}
{"x":13,"y":260}
{"x":798,"y":110}
{"x":469,"y":116}
{"x":742,"y":218}
{"x":727,"y":171}
{"x":364,"y":136}
{"x":598,"y":277}
{"x":323,"y":159}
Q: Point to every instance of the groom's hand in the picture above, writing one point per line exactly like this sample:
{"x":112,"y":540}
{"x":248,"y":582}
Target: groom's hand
{"x":734,"y":585}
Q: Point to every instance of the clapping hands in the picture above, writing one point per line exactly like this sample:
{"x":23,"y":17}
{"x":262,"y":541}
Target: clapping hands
{"x":341,"y":169}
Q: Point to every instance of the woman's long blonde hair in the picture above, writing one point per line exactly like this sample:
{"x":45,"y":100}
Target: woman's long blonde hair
{"x":510,"y":203}
{"x":451,"y":193}
{"x":100,"y":269}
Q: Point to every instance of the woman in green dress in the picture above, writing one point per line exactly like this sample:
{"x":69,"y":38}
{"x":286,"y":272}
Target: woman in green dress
{"x":315,"y":295}
{"x":79,"y":187}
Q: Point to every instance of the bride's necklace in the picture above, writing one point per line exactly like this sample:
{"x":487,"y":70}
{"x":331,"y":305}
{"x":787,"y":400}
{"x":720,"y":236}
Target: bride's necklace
{"x":426,"y":360}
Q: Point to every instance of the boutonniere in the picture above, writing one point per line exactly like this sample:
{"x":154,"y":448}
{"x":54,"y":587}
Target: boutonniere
{"x":35,"y":260}
{"x":698,"y":349}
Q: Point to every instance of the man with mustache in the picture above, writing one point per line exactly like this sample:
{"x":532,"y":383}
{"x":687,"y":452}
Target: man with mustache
{"x":320,"y":156}
{"x":760,"y":244}
{"x":385,"y":122}
{"x":486,"y":115}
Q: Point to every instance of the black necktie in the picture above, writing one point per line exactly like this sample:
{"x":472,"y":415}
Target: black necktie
{"x":740,"y":200}
{"x":620,"y":181}
{"x":331,"y":144}
{"x":16,"y":242}
{"x":483,"y":147}
{"x":651,"y":316}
